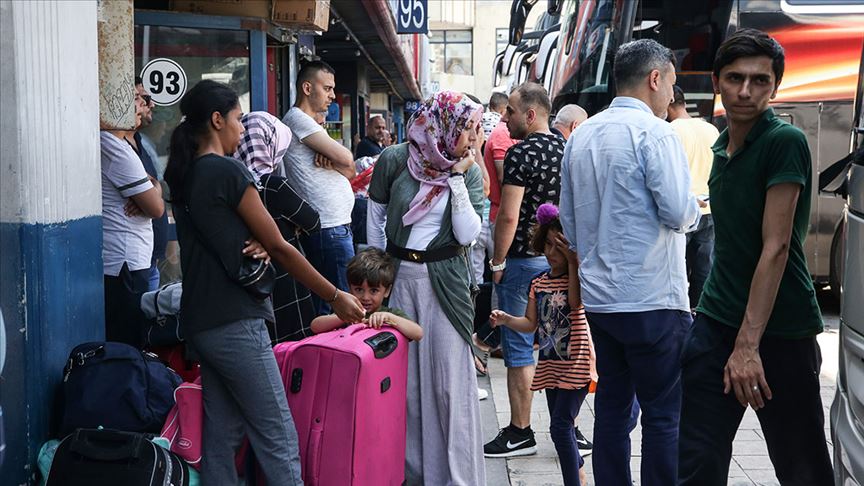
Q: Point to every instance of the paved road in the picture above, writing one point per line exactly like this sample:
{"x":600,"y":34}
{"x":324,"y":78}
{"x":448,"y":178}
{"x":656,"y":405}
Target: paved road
{"x":750,"y":463}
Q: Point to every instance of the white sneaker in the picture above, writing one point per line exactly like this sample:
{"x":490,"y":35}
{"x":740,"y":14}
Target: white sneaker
{"x":482,"y":394}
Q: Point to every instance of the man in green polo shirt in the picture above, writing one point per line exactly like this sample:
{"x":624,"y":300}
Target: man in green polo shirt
{"x":754,"y":339}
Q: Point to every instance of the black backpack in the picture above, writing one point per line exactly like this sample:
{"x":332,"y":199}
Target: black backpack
{"x":116,"y":386}
{"x":91,"y":457}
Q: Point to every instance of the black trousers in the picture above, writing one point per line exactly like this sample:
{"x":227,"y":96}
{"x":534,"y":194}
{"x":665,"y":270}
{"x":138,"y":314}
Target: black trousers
{"x":792,"y":421}
{"x":123,"y":316}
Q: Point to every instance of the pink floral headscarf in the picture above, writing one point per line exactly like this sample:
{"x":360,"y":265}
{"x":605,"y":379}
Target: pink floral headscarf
{"x":433,"y":132}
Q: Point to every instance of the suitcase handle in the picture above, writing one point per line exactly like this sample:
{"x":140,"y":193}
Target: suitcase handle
{"x":382,"y":344}
{"x":106,"y":445}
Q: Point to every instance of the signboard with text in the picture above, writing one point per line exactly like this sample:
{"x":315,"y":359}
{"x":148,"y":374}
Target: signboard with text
{"x":412,"y":16}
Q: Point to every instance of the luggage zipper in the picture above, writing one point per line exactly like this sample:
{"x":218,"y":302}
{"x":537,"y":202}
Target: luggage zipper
{"x":82,"y":358}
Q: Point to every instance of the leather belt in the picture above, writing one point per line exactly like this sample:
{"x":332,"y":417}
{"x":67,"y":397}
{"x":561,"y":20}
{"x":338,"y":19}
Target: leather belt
{"x":418,"y":256}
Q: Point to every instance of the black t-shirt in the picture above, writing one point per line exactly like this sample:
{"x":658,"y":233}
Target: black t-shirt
{"x":160,"y":224}
{"x":535,"y":164}
{"x":368,"y":148}
{"x":213,"y":190}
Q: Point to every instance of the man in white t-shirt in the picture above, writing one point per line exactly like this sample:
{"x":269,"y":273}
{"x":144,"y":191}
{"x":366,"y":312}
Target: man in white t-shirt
{"x":320,"y":170}
{"x":130,"y":200}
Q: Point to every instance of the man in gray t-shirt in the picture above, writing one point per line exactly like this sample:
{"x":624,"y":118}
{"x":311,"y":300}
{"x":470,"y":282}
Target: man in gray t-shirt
{"x":320,"y":170}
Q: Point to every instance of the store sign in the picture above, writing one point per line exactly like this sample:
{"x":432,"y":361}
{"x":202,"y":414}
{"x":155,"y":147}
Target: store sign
{"x":412,"y":17}
{"x":165,"y":80}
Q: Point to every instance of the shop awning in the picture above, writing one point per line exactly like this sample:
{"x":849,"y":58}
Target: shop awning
{"x":366,"y":29}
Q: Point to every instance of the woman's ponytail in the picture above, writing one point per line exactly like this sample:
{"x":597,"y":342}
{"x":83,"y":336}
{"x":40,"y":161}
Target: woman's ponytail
{"x":197,"y":106}
{"x":181,"y":153}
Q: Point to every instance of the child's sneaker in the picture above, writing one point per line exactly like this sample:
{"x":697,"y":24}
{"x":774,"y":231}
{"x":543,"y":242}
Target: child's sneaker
{"x":585,"y":445}
{"x":511,"y":442}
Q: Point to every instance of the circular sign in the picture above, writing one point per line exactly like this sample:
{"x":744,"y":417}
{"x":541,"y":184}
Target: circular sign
{"x":165,"y":80}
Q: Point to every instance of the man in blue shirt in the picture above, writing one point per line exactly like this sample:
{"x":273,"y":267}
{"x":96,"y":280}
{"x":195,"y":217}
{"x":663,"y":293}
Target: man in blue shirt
{"x":625,"y":206}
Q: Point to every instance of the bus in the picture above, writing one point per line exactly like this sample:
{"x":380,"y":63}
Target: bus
{"x":572,"y":52}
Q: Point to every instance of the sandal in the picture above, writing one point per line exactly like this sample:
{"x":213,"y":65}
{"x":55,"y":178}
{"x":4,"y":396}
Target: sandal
{"x":480,"y":362}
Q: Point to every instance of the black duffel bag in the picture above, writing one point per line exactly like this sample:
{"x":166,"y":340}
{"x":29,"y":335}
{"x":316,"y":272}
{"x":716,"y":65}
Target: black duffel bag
{"x":116,"y":386}
{"x":91,"y":457}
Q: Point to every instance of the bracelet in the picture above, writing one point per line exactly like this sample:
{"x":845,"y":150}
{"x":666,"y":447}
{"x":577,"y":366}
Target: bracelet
{"x":457,"y":174}
{"x":335,"y":296}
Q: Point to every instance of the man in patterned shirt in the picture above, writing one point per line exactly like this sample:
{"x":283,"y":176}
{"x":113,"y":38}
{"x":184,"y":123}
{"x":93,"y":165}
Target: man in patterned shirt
{"x":531,"y":178}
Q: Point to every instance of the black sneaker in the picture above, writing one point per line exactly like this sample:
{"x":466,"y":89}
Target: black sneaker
{"x":585,"y":445}
{"x":511,"y":442}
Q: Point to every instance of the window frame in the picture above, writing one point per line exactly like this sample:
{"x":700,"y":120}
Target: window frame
{"x":442,"y":35}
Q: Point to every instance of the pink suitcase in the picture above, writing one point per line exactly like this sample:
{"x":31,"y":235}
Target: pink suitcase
{"x":346,"y":390}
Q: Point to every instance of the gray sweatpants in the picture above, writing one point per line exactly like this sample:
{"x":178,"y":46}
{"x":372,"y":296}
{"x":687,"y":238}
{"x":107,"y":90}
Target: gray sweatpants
{"x":243,"y":395}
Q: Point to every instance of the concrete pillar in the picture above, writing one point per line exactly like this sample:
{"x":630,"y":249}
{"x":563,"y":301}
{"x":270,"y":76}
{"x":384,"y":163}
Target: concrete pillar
{"x":116,"y":64}
{"x":51,"y":291}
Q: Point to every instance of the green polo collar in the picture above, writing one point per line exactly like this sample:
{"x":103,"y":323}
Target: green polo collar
{"x":765,"y":121}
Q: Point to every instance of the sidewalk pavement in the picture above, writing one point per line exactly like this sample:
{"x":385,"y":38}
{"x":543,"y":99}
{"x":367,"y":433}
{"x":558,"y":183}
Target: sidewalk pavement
{"x":750,"y":463}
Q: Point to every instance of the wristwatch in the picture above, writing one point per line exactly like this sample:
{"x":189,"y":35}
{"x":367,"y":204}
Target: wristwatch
{"x":497,"y":268}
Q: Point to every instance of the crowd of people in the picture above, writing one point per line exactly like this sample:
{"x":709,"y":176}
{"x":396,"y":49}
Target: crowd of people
{"x":597,"y":233}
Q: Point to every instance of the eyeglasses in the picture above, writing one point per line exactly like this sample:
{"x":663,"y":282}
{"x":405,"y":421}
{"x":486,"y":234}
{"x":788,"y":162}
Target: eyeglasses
{"x":147,"y":99}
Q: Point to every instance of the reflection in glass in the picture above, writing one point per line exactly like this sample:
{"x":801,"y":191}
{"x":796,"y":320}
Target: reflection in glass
{"x":220,"y":55}
{"x":458,"y":58}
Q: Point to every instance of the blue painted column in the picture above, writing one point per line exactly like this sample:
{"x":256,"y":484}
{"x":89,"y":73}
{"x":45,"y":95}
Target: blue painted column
{"x":51,"y":292}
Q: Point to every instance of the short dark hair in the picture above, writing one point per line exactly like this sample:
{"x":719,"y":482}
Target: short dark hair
{"x":310,"y":70}
{"x":138,"y":80}
{"x":678,"y":96}
{"x":636,"y":59}
{"x":751,"y":43}
{"x":372,"y":266}
{"x":497,"y":101}
{"x":533,"y":95}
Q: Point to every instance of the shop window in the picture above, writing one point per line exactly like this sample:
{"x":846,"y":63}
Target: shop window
{"x":219,"y":55}
{"x":451,"y":51}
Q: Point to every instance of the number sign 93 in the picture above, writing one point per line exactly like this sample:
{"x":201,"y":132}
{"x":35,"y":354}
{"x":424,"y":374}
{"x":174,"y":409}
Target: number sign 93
{"x":165,"y":80}
{"x":412,"y":17}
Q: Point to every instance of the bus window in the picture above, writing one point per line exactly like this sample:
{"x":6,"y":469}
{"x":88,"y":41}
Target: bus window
{"x":694,"y":31}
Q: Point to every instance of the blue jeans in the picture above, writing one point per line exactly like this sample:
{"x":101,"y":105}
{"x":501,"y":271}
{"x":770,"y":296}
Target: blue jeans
{"x":700,"y":254}
{"x":153,"y":277}
{"x":638,"y":355}
{"x":518,"y":347}
{"x":243,"y":395}
{"x":563,"y":408}
{"x":329,"y":250}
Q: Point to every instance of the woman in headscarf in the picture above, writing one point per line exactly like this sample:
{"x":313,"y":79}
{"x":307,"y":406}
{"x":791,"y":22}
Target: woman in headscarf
{"x":430,"y":191}
{"x":261,"y":149}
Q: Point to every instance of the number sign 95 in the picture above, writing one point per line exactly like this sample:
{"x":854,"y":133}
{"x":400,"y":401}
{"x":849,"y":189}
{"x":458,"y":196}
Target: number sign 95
{"x":412,"y":18}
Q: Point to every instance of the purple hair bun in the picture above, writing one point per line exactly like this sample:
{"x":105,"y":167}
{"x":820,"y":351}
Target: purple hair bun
{"x":547,"y":213}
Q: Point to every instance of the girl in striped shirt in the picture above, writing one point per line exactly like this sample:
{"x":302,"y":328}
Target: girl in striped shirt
{"x":555,"y":311}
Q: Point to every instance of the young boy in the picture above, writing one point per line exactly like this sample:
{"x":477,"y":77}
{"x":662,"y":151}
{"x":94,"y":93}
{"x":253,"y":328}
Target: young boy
{"x":370,"y":279}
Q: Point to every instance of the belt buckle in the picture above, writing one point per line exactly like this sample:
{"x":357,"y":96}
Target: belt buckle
{"x":414,"y":256}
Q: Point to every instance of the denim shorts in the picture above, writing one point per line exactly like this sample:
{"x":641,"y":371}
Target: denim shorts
{"x":518,"y":347}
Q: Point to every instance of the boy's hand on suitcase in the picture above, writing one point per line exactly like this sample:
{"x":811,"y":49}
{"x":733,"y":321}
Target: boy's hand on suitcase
{"x":380,"y":319}
{"x":347,"y":307}
{"x":499,"y":318}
